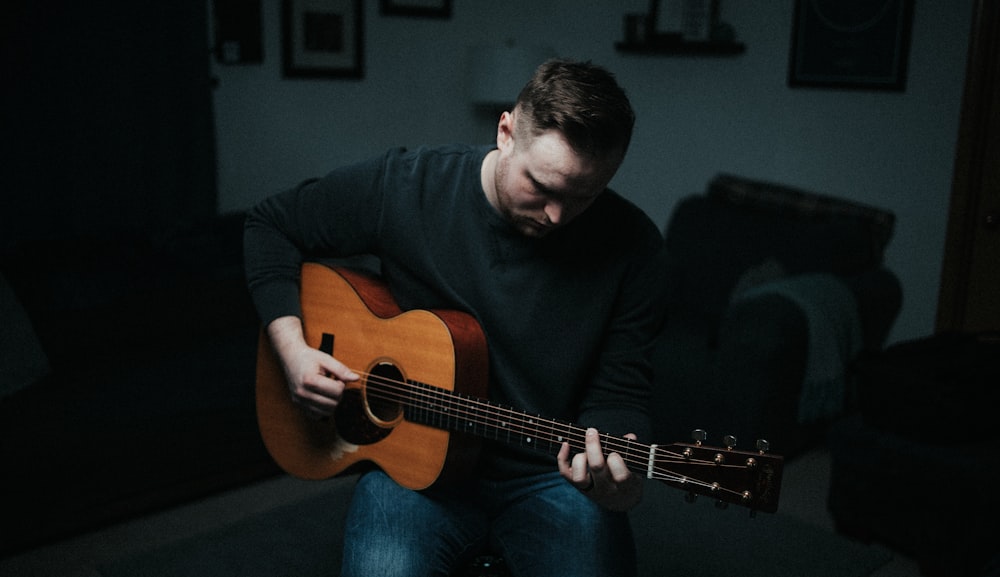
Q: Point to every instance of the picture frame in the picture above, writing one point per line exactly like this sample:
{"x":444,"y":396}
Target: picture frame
{"x":322,"y":38}
{"x":852,"y":45}
{"x":418,"y":8}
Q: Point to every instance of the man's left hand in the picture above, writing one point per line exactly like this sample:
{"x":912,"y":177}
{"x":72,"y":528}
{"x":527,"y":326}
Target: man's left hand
{"x":607,"y":481}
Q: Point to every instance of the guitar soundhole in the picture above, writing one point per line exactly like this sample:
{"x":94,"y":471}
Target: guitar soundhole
{"x":365,"y":418}
{"x":385,"y":385}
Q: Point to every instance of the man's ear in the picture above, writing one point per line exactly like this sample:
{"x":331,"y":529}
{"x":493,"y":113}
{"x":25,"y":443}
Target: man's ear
{"x":505,"y":131}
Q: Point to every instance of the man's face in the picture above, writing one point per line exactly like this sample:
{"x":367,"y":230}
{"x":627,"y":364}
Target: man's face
{"x":544,"y":184}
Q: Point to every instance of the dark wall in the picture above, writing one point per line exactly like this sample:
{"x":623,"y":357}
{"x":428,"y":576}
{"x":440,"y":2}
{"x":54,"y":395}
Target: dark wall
{"x":107,"y":118}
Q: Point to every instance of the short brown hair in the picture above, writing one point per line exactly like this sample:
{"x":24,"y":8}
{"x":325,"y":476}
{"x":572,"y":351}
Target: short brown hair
{"x":582,"y":101}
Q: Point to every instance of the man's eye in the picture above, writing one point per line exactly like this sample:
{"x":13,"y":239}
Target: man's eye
{"x":541,"y":190}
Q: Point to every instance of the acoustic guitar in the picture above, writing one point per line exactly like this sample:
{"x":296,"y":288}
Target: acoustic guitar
{"x":420,"y":409}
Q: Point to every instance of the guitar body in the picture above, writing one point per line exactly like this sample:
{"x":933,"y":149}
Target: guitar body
{"x":355,"y":317}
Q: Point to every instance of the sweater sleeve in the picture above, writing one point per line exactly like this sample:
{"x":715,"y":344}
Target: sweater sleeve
{"x":617,"y":399}
{"x":332,"y":217}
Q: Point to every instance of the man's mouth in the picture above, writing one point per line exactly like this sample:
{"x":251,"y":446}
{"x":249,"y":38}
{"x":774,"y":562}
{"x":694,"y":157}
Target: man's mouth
{"x":542,"y":226}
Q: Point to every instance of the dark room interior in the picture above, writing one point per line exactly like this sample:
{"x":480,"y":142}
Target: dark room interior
{"x":130,"y":343}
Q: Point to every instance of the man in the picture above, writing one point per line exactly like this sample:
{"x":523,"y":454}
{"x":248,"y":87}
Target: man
{"x":563,"y":276}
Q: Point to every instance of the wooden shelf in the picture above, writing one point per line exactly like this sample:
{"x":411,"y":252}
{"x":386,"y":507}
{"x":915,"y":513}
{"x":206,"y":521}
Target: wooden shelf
{"x":681,"y":48}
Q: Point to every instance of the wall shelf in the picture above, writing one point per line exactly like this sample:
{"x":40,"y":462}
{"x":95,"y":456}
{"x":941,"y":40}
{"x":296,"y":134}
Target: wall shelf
{"x":682,"y":48}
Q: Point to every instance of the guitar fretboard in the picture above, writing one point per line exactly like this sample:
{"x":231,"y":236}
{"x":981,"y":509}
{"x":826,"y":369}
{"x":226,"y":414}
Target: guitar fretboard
{"x":443,"y":409}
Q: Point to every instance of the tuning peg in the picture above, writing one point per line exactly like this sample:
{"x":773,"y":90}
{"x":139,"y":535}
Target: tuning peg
{"x":763,"y":446}
{"x":699,"y":436}
{"x":729,"y":441}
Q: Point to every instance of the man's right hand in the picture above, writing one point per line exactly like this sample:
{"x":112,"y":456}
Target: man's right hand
{"x":315,"y":379}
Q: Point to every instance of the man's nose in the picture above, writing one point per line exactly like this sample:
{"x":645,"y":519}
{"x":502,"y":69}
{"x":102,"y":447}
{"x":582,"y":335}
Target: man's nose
{"x":554,"y":212}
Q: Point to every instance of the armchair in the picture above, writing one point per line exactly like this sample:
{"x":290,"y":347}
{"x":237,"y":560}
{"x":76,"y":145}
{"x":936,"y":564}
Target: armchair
{"x":773,"y":293}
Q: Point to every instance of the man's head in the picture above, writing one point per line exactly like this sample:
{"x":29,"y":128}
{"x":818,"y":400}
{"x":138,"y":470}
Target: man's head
{"x":583,"y":102}
{"x":560,"y":146}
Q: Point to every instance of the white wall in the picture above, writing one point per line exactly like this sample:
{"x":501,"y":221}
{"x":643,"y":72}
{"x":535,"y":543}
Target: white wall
{"x":696,"y":116}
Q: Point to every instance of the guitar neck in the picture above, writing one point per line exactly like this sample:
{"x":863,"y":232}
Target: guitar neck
{"x":460,"y":413}
{"x":692,"y":467}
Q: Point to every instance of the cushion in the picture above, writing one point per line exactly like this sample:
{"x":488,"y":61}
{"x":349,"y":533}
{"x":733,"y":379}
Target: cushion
{"x":847,"y":236}
{"x":742,"y":227}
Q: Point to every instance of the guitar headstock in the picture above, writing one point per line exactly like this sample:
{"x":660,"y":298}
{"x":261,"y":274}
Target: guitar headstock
{"x":747,"y":478}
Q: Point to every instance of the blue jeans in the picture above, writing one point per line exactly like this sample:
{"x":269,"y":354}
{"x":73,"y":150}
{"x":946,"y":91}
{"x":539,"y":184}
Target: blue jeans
{"x":542,"y":526}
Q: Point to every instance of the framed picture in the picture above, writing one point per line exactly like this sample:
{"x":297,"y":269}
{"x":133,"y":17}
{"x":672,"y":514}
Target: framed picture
{"x":853,"y":44}
{"x":323,"y":38}
{"x":423,"y":8}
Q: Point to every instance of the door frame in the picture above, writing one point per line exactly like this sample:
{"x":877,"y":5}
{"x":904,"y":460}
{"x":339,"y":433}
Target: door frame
{"x":976,"y":179}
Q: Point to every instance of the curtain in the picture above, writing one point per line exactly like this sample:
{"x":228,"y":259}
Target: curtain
{"x":107,"y":117}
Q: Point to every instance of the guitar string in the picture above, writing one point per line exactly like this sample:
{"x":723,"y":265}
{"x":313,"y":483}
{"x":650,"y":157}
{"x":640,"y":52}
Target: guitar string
{"x":449,"y":405}
{"x":529,"y":423}
{"x":659,"y":472}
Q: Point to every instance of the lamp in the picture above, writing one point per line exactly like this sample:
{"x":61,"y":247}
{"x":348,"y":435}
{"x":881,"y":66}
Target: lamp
{"x":499,"y":72}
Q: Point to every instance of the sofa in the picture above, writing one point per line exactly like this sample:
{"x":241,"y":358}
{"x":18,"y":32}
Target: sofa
{"x":773,"y":293}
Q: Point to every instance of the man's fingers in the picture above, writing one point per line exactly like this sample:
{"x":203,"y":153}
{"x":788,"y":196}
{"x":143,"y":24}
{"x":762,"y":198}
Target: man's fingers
{"x":594,"y":453}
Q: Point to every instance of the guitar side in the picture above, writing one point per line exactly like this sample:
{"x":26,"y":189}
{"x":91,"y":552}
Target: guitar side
{"x":358,"y":317}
